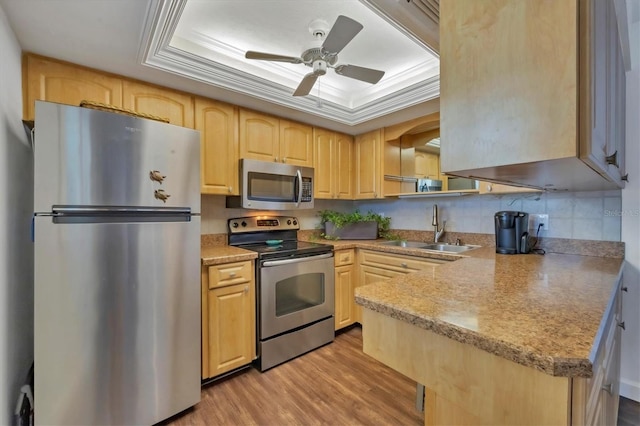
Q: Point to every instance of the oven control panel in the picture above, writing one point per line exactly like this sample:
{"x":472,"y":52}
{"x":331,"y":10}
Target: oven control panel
{"x":262,"y":223}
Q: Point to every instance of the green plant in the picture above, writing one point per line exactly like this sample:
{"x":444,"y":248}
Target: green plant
{"x":341,"y":219}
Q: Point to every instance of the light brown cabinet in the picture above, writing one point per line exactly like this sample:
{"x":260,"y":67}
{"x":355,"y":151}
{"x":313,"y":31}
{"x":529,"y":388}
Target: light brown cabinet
{"x":544,"y":108}
{"x":219,"y":154}
{"x":374,"y":266}
{"x":368,"y":167}
{"x":345,"y":284}
{"x":267,"y":138}
{"x":427,"y":165}
{"x":68,"y":84}
{"x":228,"y":317}
{"x":595,"y":400}
{"x":175,"y":106}
{"x":332,"y":162}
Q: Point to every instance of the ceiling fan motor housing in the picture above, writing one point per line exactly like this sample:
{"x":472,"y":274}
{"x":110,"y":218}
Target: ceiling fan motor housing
{"x":319,"y":67}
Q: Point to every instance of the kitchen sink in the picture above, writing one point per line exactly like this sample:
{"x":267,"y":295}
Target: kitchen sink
{"x":402,"y":243}
{"x":450,"y":248}
{"x":442,"y":247}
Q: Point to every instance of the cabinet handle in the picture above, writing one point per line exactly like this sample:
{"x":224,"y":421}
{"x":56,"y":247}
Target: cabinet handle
{"x":625,"y":289}
{"x":625,"y":178}
{"x":275,"y":159}
{"x":284,"y":160}
{"x":375,"y":195}
{"x":621,"y":325}
{"x":404,"y":265}
{"x":608,"y":388}
{"x":612,"y":159}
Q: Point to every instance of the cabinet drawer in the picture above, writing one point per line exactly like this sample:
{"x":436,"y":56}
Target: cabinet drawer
{"x":230,"y":273}
{"x":344,"y":257}
{"x":397,"y":262}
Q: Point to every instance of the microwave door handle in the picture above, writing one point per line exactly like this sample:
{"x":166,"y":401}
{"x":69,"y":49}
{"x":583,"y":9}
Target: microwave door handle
{"x":299,"y":178}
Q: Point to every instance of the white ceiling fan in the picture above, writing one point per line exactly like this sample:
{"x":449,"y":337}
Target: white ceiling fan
{"x":325,"y":56}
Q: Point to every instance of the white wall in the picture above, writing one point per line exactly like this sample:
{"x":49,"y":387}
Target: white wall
{"x":16,"y":249}
{"x":630,"y":368}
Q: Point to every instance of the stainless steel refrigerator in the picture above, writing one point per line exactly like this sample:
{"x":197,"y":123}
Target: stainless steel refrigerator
{"x":117,"y":267}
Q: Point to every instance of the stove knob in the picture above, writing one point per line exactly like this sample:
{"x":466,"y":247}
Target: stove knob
{"x":234,"y":224}
{"x":295,"y":222}
{"x":289,"y":222}
{"x":244,"y":223}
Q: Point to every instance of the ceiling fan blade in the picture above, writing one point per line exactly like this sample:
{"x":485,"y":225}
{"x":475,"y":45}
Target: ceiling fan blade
{"x":271,"y":57}
{"x":342,"y":32}
{"x":359,"y":73}
{"x":306,"y":84}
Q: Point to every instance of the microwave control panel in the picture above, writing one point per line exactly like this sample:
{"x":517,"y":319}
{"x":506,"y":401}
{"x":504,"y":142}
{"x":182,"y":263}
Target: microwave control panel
{"x":307,"y":190}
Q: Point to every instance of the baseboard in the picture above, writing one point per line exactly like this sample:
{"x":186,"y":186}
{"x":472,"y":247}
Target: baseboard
{"x":630,"y":389}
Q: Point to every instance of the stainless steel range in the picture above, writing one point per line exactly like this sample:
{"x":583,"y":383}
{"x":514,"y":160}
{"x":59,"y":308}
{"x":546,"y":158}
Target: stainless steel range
{"x":295,"y":281}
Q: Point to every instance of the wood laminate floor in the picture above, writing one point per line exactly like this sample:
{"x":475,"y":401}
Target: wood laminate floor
{"x":333,"y":385}
{"x":336,"y":384}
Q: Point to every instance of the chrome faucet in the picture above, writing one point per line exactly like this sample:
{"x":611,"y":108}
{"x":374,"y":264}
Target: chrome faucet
{"x":437,"y":233}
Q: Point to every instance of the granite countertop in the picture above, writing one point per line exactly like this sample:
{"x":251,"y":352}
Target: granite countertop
{"x":218,"y":254}
{"x":539,"y":311}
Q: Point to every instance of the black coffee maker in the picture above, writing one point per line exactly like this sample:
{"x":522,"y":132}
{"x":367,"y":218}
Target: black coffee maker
{"x":512,"y":232}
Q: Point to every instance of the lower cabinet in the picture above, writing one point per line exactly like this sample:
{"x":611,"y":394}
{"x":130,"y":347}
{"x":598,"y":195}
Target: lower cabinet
{"x":595,"y":400}
{"x":345,"y":284}
{"x":377,"y":266}
{"x":228,"y":317}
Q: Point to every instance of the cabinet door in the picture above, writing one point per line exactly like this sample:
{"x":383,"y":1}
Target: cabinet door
{"x":161,"y":102}
{"x":48,"y":80}
{"x":259,"y":136}
{"x":342,"y":169}
{"x":368,"y":179}
{"x":231,"y":327}
{"x":345,"y":281}
{"x":370,"y":275}
{"x":517,"y":104}
{"x":296,"y":143}
{"x":323,"y":163}
{"x":218,"y":125}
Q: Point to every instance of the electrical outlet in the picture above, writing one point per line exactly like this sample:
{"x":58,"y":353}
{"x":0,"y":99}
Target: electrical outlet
{"x":536,"y":219}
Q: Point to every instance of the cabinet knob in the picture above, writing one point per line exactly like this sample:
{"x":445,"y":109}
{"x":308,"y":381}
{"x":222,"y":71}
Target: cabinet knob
{"x":231,"y":189}
{"x":621,"y":325}
{"x":284,"y":160}
{"x":232,"y":274}
{"x":404,"y":265}
{"x":607,"y":388}
{"x":625,"y":178}
{"x":275,"y":159}
{"x":489,"y":188}
{"x":612,"y":159}
{"x":246,"y":289}
{"x":625,"y":289}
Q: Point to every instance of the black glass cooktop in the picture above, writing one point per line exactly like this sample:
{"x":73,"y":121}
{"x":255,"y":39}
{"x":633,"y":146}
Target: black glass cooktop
{"x":286,"y":249}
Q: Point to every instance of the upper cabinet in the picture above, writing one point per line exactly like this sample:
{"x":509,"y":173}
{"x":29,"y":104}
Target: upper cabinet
{"x":332,"y":163}
{"x":532,"y":93}
{"x":217,"y":123}
{"x":175,"y":106}
{"x":368,"y":167}
{"x":267,"y":138}
{"x":68,"y":84}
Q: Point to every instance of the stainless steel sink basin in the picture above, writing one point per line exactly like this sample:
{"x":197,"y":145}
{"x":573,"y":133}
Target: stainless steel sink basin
{"x":450,"y":248}
{"x":442,"y":247}
{"x":399,"y":243}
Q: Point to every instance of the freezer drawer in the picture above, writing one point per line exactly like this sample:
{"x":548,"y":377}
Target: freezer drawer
{"x":117,"y":321}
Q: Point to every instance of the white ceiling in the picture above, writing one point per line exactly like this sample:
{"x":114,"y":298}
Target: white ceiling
{"x":198,"y":46}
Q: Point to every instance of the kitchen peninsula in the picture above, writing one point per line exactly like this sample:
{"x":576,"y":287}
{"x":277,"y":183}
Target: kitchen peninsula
{"x":499,"y":339}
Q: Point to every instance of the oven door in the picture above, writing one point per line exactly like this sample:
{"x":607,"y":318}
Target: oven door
{"x":295,"y":292}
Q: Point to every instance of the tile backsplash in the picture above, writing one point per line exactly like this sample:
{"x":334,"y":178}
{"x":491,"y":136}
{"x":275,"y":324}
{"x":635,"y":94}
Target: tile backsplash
{"x":575,"y":215}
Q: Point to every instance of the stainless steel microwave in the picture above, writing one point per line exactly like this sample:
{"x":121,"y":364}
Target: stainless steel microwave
{"x":275,"y":186}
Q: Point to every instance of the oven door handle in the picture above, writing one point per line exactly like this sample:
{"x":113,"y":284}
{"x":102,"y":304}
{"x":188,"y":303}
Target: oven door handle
{"x":296,"y":260}
{"x":299,"y":177}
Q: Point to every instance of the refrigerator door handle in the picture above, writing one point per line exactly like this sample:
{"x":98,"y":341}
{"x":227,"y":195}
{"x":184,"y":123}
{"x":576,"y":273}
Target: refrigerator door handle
{"x":88,"y":211}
